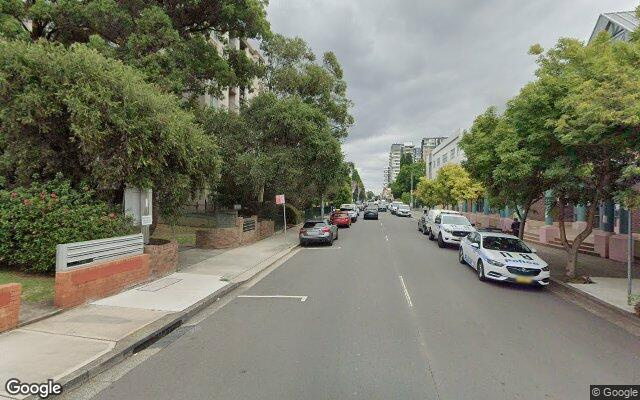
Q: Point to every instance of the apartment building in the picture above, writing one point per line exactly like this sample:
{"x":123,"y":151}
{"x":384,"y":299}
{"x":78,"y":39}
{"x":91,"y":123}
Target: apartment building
{"x":233,"y":97}
{"x":447,"y":151}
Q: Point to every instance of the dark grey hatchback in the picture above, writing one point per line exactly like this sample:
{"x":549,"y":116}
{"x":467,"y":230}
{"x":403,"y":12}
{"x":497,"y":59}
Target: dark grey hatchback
{"x":371,"y":213}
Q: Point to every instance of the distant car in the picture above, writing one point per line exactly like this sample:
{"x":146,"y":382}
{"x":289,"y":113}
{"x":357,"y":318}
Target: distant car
{"x":403,"y":210}
{"x":341,"y":219}
{"x":371,"y":213}
{"x":430,"y":220}
{"x":450,"y":228}
{"x":318,"y":231}
{"x":503,"y":257}
{"x":382,"y":206}
{"x":422,"y":222}
{"x":352,"y":210}
{"x":393,"y":207}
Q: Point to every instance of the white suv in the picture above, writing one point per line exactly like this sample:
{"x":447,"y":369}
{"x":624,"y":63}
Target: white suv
{"x":450,"y":228}
{"x":429,"y":219}
{"x":352,"y":210}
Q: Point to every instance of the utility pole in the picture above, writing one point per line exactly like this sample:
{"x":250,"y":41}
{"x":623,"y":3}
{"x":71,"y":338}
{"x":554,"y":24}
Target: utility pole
{"x":411,"y":205}
{"x":630,"y":253}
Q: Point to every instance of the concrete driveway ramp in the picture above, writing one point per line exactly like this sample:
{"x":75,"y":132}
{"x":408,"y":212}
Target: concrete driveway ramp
{"x":174,"y":293}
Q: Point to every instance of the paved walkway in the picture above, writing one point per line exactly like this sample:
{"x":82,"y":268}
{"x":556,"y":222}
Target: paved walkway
{"x":56,"y":347}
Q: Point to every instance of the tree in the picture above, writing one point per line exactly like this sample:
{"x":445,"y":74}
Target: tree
{"x":402,"y":184}
{"x":168,"y":41}
{"x":356,"y":183}
{"x":343,"y":195}
{"x":597,"y":134}
{"x":96,"y":121}
{"x":406,"y":159}
{"x":293,"y":71}
{"x":426,"y":192}
{"x":453,"y":185}
{"x":370,"y":195}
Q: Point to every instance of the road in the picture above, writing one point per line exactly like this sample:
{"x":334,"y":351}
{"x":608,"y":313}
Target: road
{"x":388,"y":315}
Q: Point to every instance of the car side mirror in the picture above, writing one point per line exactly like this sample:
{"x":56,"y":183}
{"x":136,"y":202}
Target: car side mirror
{"x":476,"y":245}
{"x":473,"y":224}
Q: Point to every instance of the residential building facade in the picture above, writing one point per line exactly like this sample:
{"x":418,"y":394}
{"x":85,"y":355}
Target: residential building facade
{"x":447,"y":152}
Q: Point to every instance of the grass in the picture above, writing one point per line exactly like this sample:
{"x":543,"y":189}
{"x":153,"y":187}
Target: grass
{"x":185,"y":235}
{"x":35,"y":288}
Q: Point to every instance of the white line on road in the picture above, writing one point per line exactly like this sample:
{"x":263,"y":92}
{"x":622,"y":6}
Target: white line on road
{"x":386,"y":237}
{"x":302,"y":298}
{"x":406,"y":292}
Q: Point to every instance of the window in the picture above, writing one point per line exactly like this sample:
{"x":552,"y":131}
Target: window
{"x":453,"y":153}
{"x":438,"y":162}
{"x":444,"y":158}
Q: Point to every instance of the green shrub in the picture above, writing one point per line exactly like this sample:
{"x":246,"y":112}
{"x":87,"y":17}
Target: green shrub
{"x":34,"y":219}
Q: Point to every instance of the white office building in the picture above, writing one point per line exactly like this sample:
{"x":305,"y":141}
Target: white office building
{"x":447,"y":152}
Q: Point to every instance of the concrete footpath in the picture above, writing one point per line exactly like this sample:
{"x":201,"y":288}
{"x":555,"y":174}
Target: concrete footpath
{"x":73,"y":346}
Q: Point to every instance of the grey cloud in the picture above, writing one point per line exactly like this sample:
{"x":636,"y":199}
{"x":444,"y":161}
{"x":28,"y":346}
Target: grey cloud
{"x":418,"y":68}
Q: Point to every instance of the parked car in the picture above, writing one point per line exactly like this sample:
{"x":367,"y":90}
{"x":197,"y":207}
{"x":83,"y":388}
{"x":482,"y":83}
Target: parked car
{"x":371,"y":213}
{"x":340,"y":219}
{"x":403,"y":210}
{"x":422,"y":221}
{"x":450,"y":228}
{"x":352,"y":210}
{"x":318,"y":231}
{"x":382,"y":206}
{"x":503,"y":257}
{"x":430,"y":218}
{"x":393,"y":207}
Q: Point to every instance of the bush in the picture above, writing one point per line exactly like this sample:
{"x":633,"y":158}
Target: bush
{"x":34,"y":219}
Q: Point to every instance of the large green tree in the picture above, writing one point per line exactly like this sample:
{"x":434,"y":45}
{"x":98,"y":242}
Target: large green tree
{"x":402,"y":184}
{"x":97,"y":121}
{"x":168,"y":41}
{"x":293,"y":70}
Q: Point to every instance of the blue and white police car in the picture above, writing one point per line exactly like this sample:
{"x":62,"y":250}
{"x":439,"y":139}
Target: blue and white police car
{"x":503,"y":257}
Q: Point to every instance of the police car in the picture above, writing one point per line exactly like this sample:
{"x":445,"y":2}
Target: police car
{"x":503,"y":257}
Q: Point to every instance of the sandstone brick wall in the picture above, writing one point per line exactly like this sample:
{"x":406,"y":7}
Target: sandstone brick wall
{"x":251,"y":236}
{"x":9,"y":305}
{"x":76,"y":286}
{"x":163,"y":258}
{"x":266,"y":229}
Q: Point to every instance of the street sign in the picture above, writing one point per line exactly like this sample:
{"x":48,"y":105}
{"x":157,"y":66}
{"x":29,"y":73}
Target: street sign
{"x":279,"y":199}
{"x":146,"y":220}
{"x":237,"y":207}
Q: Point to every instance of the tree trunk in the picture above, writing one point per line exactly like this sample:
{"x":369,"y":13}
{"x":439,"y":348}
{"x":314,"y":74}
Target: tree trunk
{"x":523,"y":218}
{"x":572,"y":250}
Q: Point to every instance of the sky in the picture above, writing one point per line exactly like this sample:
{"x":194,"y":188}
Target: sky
{"x":424,"y":68}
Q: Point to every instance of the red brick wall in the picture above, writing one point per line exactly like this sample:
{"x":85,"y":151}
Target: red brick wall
{"x":76,"y":286}
{"x":9,"y":305}
{"x":221,"y":238}
{"x":163,"y":258}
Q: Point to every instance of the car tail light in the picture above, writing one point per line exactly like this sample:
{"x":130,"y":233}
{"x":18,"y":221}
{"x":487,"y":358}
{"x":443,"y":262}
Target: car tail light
{"x":303,"y":231}
{"x":326,"y":229}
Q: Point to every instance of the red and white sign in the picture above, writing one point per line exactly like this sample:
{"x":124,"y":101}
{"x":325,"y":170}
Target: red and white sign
{"x":279,"y":199}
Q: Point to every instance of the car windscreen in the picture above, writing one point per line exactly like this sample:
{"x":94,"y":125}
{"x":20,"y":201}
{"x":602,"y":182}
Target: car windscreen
{"x":403,"y":207}
{"x":505,"y":244}
{"x":346,"y":207}
{"x":341,"y":215}
{"x":455,"y":220}
{"x":314,"y":224}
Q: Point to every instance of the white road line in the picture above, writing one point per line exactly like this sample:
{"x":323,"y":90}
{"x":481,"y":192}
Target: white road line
{"x":406,"y":292}
{"x":386,"y":237}
{"x":302,"y":298}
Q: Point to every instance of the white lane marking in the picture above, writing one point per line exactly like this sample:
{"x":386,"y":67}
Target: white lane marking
{"x":302,"y":298}
{"x":386,"y":237}
{"x":406,"y":292}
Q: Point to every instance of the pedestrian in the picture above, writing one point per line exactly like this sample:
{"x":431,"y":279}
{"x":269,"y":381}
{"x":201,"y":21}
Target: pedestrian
{"x":515,"y":227}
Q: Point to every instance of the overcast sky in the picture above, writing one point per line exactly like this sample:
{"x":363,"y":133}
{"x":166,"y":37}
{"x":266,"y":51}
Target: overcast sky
{"x":421,"y":68}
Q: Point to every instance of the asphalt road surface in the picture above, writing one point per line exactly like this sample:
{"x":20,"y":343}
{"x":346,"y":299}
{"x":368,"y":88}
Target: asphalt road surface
{"x":388,"y":315}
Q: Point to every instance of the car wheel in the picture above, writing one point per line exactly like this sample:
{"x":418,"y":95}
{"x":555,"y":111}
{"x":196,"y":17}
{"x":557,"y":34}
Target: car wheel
{"x":461,"y":256}
{"x":431,"y":237}
{"x":441,"y":243}
{"x":330,"y":243}
{"x":336,"y":238}
{"x":419,"y":227}
{"x":480,"y":270}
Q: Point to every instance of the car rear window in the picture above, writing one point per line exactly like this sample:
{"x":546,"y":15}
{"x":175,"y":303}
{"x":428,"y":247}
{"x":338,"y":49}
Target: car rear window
{"x":310,"y":224}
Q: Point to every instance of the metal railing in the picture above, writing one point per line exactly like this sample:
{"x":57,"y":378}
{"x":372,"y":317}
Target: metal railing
{"x":83,"y":254}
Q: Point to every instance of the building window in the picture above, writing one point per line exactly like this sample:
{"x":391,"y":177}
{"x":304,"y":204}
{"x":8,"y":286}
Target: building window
{"x":438,"y":162}
{"x":444,"y":158}
{"x":453,"y":153}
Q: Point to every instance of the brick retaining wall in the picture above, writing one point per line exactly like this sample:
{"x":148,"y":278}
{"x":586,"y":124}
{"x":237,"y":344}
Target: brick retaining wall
{"x":163,"y":258}
{"x":228,"y":238}
{"x":266,"y":229}
{"x":76,"y":286}
{"x":9,"y":305}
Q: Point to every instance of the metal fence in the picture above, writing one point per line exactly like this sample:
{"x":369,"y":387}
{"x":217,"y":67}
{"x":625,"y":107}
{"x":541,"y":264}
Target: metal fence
{"x":82,"y":254}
